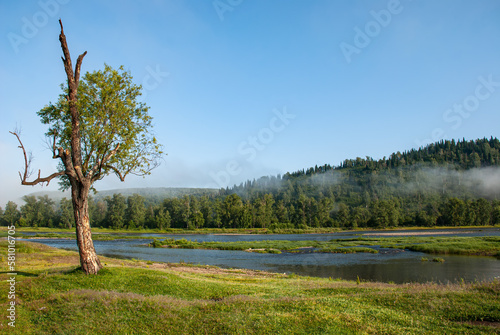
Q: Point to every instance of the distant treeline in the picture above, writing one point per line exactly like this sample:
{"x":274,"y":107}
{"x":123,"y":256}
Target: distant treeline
{"x":447,"y":183}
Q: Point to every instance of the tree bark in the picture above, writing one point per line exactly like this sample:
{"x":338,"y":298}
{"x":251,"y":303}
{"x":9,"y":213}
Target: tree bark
{"x":80,"y":183}
{"x":88,"y":258}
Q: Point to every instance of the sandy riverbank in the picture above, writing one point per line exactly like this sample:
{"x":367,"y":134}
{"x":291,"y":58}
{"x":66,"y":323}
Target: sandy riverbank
{"x":417,"y":233}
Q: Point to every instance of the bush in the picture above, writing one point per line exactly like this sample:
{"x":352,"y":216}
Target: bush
{"x":438,"y":260}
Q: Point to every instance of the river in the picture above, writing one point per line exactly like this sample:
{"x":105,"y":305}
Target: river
{"x":389,"y":265}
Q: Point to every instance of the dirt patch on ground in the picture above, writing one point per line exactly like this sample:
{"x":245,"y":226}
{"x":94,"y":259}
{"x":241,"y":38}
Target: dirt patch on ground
{"x":421,"y":233}
{"x":493,"y":324}
{"x":209,"y":270}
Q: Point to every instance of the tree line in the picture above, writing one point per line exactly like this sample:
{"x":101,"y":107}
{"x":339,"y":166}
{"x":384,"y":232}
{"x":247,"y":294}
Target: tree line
{"x":231,"y":211}
{"x":437,"y":185}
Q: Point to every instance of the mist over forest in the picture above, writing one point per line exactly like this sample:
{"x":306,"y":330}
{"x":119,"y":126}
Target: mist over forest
{"x":446,"y":183}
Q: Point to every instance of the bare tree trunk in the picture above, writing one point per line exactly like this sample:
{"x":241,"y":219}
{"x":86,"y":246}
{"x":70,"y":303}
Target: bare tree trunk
{"x":88,"y":258}
{"x":72,"y":160}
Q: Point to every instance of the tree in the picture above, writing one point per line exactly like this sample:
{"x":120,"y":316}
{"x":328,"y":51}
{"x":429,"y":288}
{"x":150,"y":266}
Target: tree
{"x":96,"y":127}
{"x":483,"y":212}
{"x":282,"y":212}
{"x":385,"y":213}
{"x":66,"y":218}
{"x":263,"y":211}
{"x":30,"y":212}
{"x":342,"y":216}
{"x":162,"y":219}
{"x":196,"y":218}
{"x":495,"y":220}
{"x":454,"y":213}
{"x":97,"y":212}
{"x":136,"y":211}
{"x":11,"y":214}
{"x":115,"y":216}
{"x":46,"y":208}
{"x":232,"y":211}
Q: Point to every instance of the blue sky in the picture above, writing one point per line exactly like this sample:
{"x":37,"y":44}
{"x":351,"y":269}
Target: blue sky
{"x":244,"y":88}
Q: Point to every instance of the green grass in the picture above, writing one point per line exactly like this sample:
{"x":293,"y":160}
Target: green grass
{"x":485,"y":246}
{"x":481,"y":246}
{"x":54,"y":297}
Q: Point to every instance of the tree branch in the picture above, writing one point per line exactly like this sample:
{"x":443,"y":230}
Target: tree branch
{"x":67,"y":58}
{"x":56,"y":153}
{"x":78,"y":66}
{"x":100,"y":164}
{"x":117,"y":172}
{"x":27,"y":162}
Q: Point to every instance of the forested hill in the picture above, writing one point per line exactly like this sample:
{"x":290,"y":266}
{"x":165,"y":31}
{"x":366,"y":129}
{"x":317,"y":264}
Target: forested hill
{"x":446,"y":183}
{"x":461,"y":154}
{"x":463,"y":161}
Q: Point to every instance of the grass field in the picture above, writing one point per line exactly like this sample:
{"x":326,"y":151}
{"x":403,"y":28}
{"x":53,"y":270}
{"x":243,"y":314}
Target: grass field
{"x":136,"y":297}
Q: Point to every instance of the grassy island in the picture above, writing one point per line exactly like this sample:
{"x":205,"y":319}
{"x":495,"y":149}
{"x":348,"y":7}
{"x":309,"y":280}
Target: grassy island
{"x":485,"y":246}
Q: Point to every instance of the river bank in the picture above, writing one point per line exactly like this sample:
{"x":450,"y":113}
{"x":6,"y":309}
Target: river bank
{"x":382,"y":258}
{"x":150,"y":297}
{"x":252,"y":231}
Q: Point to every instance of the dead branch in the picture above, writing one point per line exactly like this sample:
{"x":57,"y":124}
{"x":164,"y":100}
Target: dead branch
{"x":73,"y":80}
{"x":27,"y":162}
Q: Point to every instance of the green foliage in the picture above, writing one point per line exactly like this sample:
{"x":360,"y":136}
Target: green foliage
{"x":11,"y":214}
{"x":38,"y":211}
{"x":135,"y":213}
{"x":66,"y":216}
{"x":438,"y":260}
{"x":155,"y":243}
{"x":111,"y":118}
{"x":115,"y":214}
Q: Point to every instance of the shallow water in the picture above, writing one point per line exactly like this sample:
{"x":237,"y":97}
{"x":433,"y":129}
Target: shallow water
{"x":389,"y":265}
